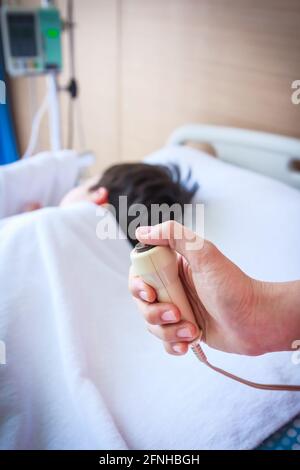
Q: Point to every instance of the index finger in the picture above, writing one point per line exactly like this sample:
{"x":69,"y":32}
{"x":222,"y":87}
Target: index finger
{"x":139,"y":289}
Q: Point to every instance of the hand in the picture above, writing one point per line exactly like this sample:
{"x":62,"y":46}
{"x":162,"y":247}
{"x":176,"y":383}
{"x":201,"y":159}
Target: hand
{"x":32,"y":206}
{"x":223,"y":298}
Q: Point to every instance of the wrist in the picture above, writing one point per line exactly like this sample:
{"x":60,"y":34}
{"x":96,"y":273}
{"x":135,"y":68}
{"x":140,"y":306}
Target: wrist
{"x":277,"y":315}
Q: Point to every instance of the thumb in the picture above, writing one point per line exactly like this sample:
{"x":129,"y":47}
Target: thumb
{"x":178,"y":237}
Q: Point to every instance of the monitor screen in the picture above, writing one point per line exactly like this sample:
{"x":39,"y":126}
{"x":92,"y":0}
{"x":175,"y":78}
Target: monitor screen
{"x":22,"y":34}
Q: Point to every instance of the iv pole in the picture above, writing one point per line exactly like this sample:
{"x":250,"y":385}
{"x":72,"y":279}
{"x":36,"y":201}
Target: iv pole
{"x":53,"y":101}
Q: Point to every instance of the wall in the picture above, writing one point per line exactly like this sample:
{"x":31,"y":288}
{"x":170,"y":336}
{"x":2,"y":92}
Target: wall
{"x":147,"y":66}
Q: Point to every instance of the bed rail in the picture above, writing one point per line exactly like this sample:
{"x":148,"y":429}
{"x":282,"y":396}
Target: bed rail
{"x":270,"y":154}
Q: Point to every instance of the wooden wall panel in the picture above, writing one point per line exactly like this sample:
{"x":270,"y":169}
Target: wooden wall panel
{"x":148,"y":66}
{"x":97,"y":61}
{"x":227,"y":62}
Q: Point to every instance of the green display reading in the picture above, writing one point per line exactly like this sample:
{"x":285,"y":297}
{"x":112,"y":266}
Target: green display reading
{"x":53,"y":33}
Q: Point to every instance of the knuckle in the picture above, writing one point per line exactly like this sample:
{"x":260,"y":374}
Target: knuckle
{"x":151,"y":316}
{"x":166,"y":334}
{"x":133,"y":289}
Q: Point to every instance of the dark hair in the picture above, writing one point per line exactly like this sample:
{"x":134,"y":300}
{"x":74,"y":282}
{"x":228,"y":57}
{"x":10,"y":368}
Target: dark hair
{"x":144,"y":184}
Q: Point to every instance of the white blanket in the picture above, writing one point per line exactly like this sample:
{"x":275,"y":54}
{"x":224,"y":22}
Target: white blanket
{"x":82,"y":372}
{"x":44,"y":179}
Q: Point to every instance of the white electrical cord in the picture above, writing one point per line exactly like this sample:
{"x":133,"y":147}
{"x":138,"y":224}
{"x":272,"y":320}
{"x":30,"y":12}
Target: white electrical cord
{"x":36,"y":127}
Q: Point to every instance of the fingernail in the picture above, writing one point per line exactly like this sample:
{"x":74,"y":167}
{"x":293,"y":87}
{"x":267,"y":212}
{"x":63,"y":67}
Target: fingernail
{"x":177,"y":348}
{"x":143,"y":231}
{"x":168,"y":316}
{"x":184,"y":333}
{"x":143,"y":295}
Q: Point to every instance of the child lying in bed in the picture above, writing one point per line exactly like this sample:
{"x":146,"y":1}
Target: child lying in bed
{"x":141,"y":183}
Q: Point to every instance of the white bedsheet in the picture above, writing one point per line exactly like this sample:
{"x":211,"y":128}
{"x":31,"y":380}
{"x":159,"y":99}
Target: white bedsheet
{"x":82,"y":372}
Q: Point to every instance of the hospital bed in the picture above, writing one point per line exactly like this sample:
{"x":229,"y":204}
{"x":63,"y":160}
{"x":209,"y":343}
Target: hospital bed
{"x":105,"y":394}
{"x":270,"y":154}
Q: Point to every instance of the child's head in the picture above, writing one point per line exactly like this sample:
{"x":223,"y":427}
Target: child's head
{"x":141,"y":183}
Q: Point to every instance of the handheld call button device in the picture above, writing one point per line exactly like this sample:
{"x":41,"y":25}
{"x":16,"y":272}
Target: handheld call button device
{"x":157,"y":266}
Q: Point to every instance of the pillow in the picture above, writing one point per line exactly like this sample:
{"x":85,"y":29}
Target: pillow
{"x":252,"y":218}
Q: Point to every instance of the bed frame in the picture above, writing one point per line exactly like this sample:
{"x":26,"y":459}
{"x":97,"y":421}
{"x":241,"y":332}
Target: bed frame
{"x":270,"y":154}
